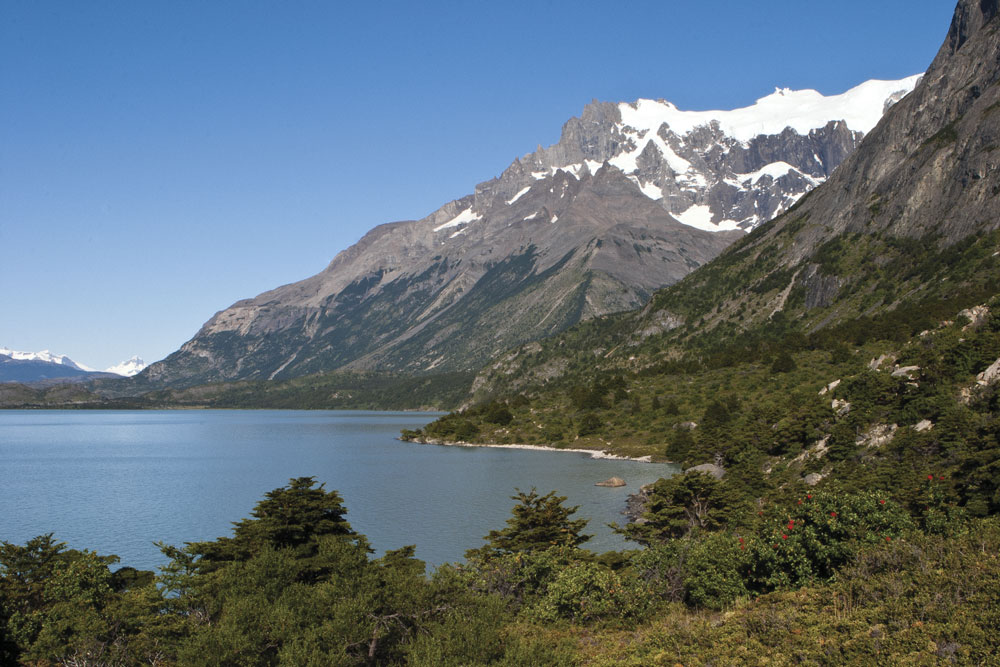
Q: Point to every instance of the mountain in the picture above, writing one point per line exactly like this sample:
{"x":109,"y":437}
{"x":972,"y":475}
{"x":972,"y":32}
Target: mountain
{"x":903,"y":232}
{"x":133,"y":366}
{"x":45,"y":366}
{"x":42,"y":366}
{"x":45,"y":357}
{"x":632,"y":198}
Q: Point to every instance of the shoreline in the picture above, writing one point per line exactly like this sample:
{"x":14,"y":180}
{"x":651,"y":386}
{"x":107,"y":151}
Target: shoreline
{"x":593,"y":453}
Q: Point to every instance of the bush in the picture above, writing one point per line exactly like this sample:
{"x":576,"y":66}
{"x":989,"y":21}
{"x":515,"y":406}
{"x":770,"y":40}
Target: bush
{"x":586,"y":592}
{"x":806,"y":543}
{"x":713,"y":572}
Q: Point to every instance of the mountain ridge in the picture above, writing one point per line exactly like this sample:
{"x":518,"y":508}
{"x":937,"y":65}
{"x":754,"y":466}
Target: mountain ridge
{"x":46,"y":366}
{"x":528,"y":254}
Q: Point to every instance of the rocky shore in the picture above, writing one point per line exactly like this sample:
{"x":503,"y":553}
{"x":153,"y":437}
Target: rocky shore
{"x":635,"y":504}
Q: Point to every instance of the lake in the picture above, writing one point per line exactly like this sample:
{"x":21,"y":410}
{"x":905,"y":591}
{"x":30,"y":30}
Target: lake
{"x":116,"y":481}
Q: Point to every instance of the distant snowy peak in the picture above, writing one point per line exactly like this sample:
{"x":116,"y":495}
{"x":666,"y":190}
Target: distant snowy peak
{"x":133,"y":366}
{"x":713,"y":170}
{"x":127,"y":368}
{"x":45,"y":356}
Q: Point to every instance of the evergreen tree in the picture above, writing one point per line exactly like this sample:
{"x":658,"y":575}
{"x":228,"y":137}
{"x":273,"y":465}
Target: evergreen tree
{"x":538,"y":523}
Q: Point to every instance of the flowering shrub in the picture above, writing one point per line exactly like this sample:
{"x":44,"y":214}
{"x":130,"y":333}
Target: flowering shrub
{"x":794,"y":547}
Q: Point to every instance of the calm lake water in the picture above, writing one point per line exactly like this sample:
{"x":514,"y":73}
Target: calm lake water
{"x":115,"y":482}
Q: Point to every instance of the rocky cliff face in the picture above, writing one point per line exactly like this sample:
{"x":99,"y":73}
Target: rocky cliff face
{"x":632,"y":198}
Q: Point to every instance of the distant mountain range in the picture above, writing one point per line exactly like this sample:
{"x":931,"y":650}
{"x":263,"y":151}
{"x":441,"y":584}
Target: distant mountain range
{"x":632,"y":198}
{"x":44,"y":366}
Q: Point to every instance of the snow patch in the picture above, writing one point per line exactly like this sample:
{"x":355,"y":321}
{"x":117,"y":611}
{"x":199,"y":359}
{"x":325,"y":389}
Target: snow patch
{"x":463,"y":218}
{"x":520,"y":194}
{"x":699,"y":216}
{"x":651,"y":190}
{"x":775,"y":170}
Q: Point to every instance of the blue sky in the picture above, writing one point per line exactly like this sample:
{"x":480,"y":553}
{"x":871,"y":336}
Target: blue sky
{"x":161,"y":160}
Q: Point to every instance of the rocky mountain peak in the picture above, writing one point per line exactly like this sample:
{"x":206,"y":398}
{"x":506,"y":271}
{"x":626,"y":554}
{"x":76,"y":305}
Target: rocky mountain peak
{"x":970,"y":17}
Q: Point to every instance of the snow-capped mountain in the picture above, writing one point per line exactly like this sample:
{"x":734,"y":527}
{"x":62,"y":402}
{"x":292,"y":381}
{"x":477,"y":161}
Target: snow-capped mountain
{"x":632,"y":198}
{"x":133,"y":366}
{"x":714,"y":170}
{"x":18,"y":366}
{"x":45,"y":356}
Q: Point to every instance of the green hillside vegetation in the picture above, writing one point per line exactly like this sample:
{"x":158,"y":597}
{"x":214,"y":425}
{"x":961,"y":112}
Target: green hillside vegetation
{"x":830,"y":577}
{"x":756,"y":407}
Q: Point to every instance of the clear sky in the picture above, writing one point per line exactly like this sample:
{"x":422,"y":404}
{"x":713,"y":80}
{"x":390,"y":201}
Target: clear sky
{"x":160,"y":160}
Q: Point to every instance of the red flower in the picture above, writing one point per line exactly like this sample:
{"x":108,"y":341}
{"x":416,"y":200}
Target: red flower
{"x":741,"y":540}
{"x":791,"y":524}
{"x":881,"y":502}
{"x":809,"y":496}
{"x":888,"y":539}
{"x":784,"y":537}
{"x":800,"y":502}
{"x":930,"y":477}
{"x":761,"y":513}
{"x":833,"y":514}
{"x":941,"y":478}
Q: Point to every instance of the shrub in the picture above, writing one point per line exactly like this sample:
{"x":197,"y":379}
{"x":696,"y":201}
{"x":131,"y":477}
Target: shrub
{"x":808,"y":542}
{"x":588,"y":591}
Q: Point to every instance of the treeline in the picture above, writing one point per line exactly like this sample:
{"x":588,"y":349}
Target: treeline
{"x":325,"y":391}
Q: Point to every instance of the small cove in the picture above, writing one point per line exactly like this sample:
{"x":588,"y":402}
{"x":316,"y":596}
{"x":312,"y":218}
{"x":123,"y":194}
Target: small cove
{"x":116,"y":481}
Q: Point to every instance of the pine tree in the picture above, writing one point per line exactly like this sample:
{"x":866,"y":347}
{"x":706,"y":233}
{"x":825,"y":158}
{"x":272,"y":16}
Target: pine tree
{"x":538,"y":523}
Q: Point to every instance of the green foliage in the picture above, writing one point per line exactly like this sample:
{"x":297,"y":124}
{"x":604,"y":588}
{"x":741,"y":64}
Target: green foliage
{"x":922,"y":600}
{"x":678,"y":506}
{"x":713,"y":569}
{"x":58,"y":602}
{"x":293,"y":518}
{"x":679,"y":445}
{"x":783,"y":363}
{"x":537,"y":523}
{"x":856,"y":559}
{"x":588,"y":424}
{"x":794,"y":546}
{"x":586,"y":592}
